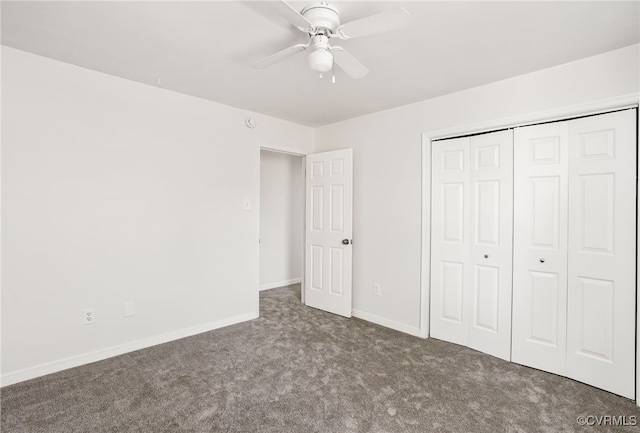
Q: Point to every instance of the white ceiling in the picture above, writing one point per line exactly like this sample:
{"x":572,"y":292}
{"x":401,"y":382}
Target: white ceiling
{"x":205,"y":48}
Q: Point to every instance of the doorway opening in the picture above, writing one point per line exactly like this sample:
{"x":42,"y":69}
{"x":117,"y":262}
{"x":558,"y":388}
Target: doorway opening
{"x":282,"y":207}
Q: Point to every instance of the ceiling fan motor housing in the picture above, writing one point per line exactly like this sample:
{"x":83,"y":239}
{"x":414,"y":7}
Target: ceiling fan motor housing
{"x":322,"y":16}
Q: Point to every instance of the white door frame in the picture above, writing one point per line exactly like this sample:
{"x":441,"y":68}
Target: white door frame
{"x":289,"y":151}
{"x":630,"y":100}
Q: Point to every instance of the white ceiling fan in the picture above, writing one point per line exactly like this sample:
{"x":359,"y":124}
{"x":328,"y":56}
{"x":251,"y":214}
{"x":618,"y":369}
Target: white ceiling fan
{"x":321,"y":21}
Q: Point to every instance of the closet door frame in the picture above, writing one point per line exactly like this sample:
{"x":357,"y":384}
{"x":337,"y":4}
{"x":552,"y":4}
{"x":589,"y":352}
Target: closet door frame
{"x":631,"y":100}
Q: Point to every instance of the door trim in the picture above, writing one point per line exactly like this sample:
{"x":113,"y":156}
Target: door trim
{"x":630,"y":100}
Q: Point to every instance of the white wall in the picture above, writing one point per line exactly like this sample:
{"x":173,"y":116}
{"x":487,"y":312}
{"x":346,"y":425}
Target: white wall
{"x":387,"y":168}
{"x":281,"y":219}
{"x":117,"y":191}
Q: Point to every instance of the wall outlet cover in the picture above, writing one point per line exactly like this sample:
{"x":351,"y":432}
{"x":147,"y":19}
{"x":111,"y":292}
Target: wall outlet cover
{"x":129,"y":309}
{"x":89,"y":316}
{"x":377,"y":291}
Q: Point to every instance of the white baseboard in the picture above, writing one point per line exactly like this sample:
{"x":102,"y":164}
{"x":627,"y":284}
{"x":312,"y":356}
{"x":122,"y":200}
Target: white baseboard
{"x":411,"y":330}
{"x":280,"y":284}
{"x":99,"y":355}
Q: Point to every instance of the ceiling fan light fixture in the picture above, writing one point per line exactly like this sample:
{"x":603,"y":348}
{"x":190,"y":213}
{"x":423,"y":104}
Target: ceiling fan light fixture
{"x":321,"y":60}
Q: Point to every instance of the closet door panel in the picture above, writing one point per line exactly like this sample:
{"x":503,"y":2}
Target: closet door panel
{"x":491,"y":215}
{"x":450,"y":240}
{"x":540,"y":247}
{"x":602,"y":250}
{"x":545,"y":313}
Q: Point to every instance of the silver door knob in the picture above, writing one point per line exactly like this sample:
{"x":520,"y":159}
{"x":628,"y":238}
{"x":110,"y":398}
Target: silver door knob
{"x":541,"y":260}
{"x":486,"y":256}
{"x":345,"y":242}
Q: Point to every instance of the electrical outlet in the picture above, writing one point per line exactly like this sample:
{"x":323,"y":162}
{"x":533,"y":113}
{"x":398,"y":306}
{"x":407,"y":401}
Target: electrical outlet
{"x":89,"y":316}
{"x":377,"y":291}
{"x":129,"y":309}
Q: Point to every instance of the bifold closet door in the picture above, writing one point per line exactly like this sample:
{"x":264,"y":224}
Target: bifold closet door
{"x":471,"y":241}
{"x":575,"y":249}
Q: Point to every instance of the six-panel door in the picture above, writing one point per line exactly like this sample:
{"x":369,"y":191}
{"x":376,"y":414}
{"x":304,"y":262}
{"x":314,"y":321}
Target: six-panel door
{"x":471,"y":242}
{"x":575,"y":249}
{"x":328,"y":232}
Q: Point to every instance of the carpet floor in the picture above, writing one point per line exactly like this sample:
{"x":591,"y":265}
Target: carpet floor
{"x":297,"y":369}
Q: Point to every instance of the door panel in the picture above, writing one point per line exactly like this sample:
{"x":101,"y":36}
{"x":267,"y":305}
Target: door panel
{"x":544,"y":308}
{"x":487,"y":203}
{"x":540,"y":247}
{"x":316,"y":267}
{"x":450,"y":240}
{"x":594,"y":318}
{"x":337,"y":208}
{"x":490,"y":258}
{"x":328,"y":222}
{"x":317,"y":205}
{"x":337,"y":270}
{"x":596,"y":212}
{"x":453,"y":212}
{"x":452,"y":287}
{"x":602,"y":249}
{"x":486,"y":294}
{"x":545,"y":209}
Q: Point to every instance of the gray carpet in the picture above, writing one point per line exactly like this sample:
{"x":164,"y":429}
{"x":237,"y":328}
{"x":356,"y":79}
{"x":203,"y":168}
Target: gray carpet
{"x":296,"y":369}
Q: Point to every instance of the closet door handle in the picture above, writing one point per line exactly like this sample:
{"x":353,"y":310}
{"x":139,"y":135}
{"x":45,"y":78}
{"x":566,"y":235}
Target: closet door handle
{"x":486,"y":256}
{"x":541,"y":260}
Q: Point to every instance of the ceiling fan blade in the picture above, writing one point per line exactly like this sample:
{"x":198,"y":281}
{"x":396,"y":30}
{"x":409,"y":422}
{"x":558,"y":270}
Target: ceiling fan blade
{"x":382,"y":22}
{"x":348,"y":63}
{"x":294,"y":17}
{"x":280,"y":55}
